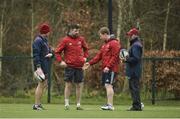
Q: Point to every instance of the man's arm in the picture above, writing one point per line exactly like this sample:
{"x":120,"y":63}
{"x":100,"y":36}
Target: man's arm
{"x":136,"y":52}
{"x":96,"y":59}
{"x":115,"y":48}
{"x":59,"y":50}
{"x":85,"y":48}
{"x":36,"y":53}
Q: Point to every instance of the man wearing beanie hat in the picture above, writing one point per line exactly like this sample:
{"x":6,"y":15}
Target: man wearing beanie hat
{"x":44,"y":28}
{"x":41,"y":57}
{"x":133,"y":68}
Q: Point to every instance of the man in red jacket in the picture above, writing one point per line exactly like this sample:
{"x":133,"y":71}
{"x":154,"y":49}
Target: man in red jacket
{"x":75,"y":52}
{"x":109,"y":54}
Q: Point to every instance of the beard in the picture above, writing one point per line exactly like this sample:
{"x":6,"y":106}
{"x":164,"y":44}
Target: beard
{"x":73,"y":35}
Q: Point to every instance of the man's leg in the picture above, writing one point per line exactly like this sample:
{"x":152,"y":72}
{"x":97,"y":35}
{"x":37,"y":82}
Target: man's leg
{"x":134,"y":87}
{"x":39,"y":92}
{"x":67,"y":92}
{"x":107,"y":80}
{"x":79,"y":88}
{"x":110,"y":94}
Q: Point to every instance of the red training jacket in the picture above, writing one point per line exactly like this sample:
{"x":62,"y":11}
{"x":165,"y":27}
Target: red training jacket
{"x":109,"y":54}
{"x":75,"y":50}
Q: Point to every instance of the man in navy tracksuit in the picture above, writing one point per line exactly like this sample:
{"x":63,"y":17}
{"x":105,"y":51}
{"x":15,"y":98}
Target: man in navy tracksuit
{"x":133,"y":68}
{"x":41,"y":58}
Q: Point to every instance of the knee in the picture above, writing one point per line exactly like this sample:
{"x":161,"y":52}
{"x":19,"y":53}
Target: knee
{"x":45,"y":85}
{"x":79,"y":86}
{"x":108,"y":86}
{"x":68,"y":85}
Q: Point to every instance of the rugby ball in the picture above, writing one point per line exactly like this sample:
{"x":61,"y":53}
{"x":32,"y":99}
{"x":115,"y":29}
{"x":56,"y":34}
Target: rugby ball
{"x":38,"y":76}
{"x":123,"y":54}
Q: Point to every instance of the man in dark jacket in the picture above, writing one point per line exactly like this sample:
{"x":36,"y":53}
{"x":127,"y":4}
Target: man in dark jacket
{"x":41,"y":56}
{"x":133,"y":68}
{"x":75,"y":50}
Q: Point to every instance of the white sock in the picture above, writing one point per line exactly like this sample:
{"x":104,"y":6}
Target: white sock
{"x":36,"y":105}
{"x":78,"y":104}
{"x":66,"y":102}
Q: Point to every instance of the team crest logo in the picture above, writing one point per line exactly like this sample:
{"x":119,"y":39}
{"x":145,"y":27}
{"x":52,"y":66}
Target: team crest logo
{"x":79,"y":43}
{"x":107,"y":80}
{"x":107,"y":47}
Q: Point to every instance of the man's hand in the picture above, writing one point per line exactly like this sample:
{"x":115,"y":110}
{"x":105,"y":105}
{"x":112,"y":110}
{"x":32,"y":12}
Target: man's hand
{"x":85,"y":59}
{"x":39,"y":71}
{"x":86,"y":66}
{"x":49,"y":55}
{"x":123,"y":59}
{"x":63,"y":64}
{"x":106,"y":70}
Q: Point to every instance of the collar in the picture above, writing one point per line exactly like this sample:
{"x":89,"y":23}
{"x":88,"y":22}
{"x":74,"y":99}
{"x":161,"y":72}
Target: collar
{"x":43,"y":38}
{"x":111,"y":37}
{"x":134,"y":40}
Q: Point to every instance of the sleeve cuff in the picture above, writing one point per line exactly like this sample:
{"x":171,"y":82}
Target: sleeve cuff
{"x":38,"y":65}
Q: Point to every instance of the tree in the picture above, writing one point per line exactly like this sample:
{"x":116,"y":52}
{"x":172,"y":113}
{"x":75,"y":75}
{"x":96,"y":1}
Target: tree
{"x":2,"y":33}
{"x":119,"y":26}
{"x":166,"y":26}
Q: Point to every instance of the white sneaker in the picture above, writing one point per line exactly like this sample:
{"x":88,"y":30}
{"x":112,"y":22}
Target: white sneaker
{"x":107,"y":107}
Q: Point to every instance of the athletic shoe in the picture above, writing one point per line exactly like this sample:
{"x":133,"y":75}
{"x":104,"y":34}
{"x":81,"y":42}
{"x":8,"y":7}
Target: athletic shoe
{"x":37,"y":107}
{"x":40,"y":105}
{"x":134,"y":109}
{"x":79,"y":108}
{"x":66,"y":107}
{"x":107,"y":107}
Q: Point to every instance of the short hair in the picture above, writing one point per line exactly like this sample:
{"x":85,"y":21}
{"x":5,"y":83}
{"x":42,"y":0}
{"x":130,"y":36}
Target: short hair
{"x":73,"y":26}
{"x":104,"y":30}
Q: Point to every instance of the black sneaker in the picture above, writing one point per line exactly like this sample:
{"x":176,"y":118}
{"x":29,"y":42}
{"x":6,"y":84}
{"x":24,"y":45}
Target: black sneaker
{"x":134,"y":109}
{"x":37,"y":107}
{"x":79,"y":108}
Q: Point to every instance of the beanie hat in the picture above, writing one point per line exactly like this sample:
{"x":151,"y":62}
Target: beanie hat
{"x":44,"y":28}
{"x":133,"y":31}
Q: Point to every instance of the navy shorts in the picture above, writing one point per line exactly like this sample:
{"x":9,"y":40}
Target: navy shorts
{"x":45,"y":66}
{"x":108,"y":78}
{"x":73,"y":75}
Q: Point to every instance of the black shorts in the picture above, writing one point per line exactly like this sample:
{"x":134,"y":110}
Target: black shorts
{"x":108,"y":78}
{"x":73,"y":75}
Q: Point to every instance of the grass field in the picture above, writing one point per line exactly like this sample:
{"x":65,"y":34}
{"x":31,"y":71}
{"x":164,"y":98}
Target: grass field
{"x":91,"y":111}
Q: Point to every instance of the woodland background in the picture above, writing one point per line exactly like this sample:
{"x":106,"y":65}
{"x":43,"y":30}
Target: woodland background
{"x":158,"y":21}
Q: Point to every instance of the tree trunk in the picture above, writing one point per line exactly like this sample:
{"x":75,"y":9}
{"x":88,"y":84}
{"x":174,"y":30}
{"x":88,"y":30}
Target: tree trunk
{"x":2,"y":35}
{"x":165,"y":26}
{"x":119,"y":27}
{"x":130,"y":15}
{"x":32,"y":30}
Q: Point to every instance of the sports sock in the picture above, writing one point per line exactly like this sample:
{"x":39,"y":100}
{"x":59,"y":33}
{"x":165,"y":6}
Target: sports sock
{"x":66,"y":102}
{"x":78,"y":104}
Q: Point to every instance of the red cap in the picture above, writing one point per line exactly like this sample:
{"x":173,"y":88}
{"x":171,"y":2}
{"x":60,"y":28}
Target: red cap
{"x":133,"y":31}
{"x":44,"y":28}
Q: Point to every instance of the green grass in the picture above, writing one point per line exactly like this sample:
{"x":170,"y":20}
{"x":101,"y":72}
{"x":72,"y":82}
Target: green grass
{"x":91,"y":111}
